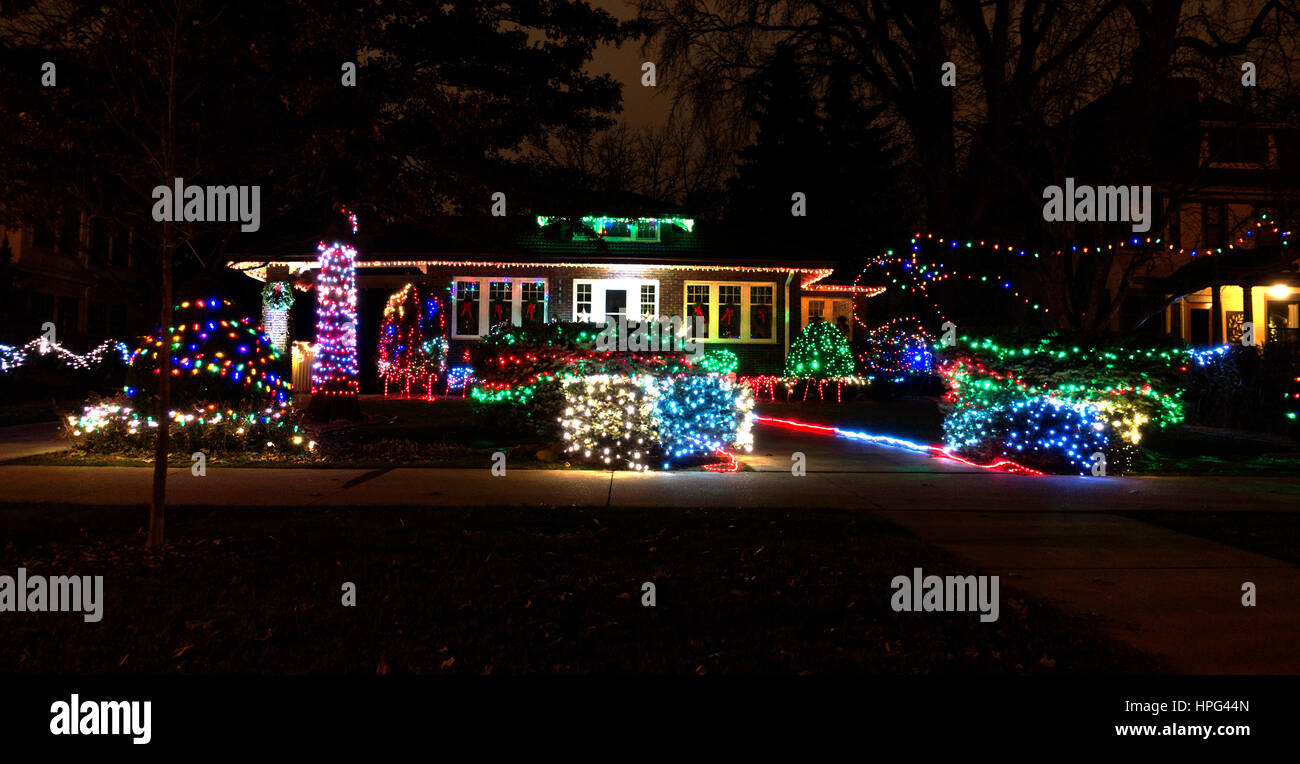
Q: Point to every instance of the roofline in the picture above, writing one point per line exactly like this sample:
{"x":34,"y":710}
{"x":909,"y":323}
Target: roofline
{"x":256,"y":269}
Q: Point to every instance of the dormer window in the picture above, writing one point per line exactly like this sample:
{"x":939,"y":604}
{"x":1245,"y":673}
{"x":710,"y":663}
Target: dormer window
{"x":627,"y":230}
{"x":1238,"y":148}
{"x":647,"y":229}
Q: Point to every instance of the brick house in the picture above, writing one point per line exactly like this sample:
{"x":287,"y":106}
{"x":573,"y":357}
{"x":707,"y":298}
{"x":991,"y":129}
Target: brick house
{"x":597,"y":267}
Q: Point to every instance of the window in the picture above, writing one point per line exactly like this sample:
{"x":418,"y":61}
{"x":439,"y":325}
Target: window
{"x":509,"y":301}
{"x":816,"y":310}
{"x":69,"y":308}
{"x":594,"y":300}
{"x":98,"y":241}
{"x":733,"y":312}
{"x":838,"y":312}
{"x":697,"y":306}
{"x":532,"y":307}
{"x":649,"y":300}
{"x":729,"y":311}
{"x":1216,"y":228}
{"x":499,"y":307}
{"x":623,"y":230}
{"x":760,"y":312}
{"x":467,"y":304}
{"x":1240,"y":148}
{"x":582,"y":302}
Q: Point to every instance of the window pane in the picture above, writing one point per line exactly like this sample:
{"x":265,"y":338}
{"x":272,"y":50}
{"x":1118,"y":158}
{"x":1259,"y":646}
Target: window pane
{"x":697,"y":306}
{"x":467,"y":301}
{"x":647,"y":231}
{"x":760,"y":313}
{"x":648,"y":299}
{"x":729,"y":311}
{"x":498,"y":302}
{"x":582,"y":301}
{"x":533,"y":305}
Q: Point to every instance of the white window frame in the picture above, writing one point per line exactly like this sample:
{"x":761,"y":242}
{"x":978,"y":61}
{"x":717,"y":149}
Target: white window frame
{"x":745,"y":298}
{"x":598,"y":288}
{"x":516,"y":301}
{"x":828,"y":310}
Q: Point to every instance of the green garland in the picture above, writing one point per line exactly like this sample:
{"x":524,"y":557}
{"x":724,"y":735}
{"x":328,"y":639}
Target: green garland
{"x":277,"y":295}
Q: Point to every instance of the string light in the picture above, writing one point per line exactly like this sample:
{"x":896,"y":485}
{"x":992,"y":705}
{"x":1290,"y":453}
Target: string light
{"x":821,"y":350}
{"x":1000,"y":465}
{"x":412,"y":340}
{"x":14,"y":357}
{"x":335,"y":369}
{"x":898,"y":348}
{"x":630,"y":420}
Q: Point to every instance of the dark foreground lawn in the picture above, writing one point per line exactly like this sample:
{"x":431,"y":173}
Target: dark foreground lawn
{"x":515,"y":591}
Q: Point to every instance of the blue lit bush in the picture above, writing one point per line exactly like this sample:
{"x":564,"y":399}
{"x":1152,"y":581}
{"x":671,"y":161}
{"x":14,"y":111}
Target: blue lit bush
{"x":1041,"y":433}
{"x":701,"y":415}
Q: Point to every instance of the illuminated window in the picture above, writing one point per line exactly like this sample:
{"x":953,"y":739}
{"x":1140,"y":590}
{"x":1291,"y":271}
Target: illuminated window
{"x":733,"y":312}
{"x":595,"y":300}
{"x":532,"y":302}
{"x":582,"y":301}
{"x":467,"y":308}
{"x":499,"y":307}
{"x":649,"y":299}
{"x":509,"y":301}
{"x":761,"y":303}
{"x":697,"y":306}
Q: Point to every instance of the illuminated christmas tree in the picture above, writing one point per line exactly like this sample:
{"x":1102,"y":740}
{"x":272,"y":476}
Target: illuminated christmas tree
{"x":413,"y":340}
{"x":820,"y":351}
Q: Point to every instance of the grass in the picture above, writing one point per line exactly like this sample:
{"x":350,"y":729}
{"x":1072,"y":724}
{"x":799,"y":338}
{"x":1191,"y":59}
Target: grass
{"x":516,"y":592}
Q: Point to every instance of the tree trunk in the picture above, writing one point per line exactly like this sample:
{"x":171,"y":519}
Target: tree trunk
{"x":158,"y":502}
{"x":162,"y":446}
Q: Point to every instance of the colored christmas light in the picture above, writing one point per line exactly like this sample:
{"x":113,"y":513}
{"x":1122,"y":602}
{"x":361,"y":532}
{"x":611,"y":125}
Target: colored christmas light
{"x":598,"y":222}
{"x":1055,"y":399}
{"x":413,"y":340}
{"x":720,"y":361}
{"x":1000,"y":465}
{"x":637,"y":420}
{"x":215,"y":355}
{"x":335,"y":370}
{"x":820,"y":351}
{"x":899,"y":348}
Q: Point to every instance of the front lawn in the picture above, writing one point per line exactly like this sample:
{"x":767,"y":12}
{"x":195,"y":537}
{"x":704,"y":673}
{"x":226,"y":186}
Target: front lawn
{"x":480,"y":591}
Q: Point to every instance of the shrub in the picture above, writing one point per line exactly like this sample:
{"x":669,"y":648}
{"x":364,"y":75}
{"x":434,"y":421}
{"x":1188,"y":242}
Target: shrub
{"x":820,"y":351}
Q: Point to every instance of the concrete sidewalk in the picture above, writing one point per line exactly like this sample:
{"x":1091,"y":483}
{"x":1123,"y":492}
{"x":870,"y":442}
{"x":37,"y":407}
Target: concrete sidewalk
{"x":910,"y":489}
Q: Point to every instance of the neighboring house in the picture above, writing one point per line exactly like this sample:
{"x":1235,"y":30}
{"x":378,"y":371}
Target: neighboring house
{"x":78,"y":277}
{"x":1232,"y":230}
{"x":1228,"y":193}
{"x":597,"y":267}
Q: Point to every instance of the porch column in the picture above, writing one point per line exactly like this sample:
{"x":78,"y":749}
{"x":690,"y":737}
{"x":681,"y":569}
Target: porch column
{"x":1248,"y":302}
{"x":1216,"y":314}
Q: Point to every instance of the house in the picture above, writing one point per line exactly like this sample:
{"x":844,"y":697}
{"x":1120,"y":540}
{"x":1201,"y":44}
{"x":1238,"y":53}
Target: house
{"x":595,"y":267}
{"x":77,"y":274}
{"x":1226,"y":189}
